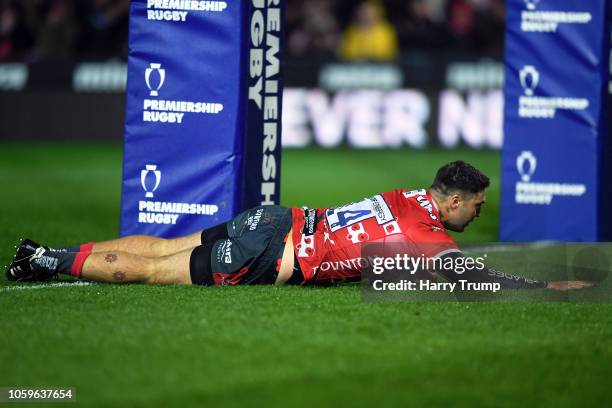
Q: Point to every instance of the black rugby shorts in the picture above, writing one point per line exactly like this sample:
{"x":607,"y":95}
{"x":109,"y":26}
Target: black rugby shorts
{"x":245,"y":250}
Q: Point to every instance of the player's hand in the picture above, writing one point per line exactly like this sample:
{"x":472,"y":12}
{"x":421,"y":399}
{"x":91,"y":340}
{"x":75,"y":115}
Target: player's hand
{"x":569,"y":285}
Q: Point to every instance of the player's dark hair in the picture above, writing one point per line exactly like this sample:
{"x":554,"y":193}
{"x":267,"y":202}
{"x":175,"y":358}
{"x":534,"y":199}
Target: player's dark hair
{"x":459,"y":176}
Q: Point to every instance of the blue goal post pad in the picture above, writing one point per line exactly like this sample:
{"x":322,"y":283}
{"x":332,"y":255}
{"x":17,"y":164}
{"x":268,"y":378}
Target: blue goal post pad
{"x":556,"y":162}
{"x":203,"y":113}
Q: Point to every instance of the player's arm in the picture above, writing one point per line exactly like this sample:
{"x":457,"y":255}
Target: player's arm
{"x":476,"y":273}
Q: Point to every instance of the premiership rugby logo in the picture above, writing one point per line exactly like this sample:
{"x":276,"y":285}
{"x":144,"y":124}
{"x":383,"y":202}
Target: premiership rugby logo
{"x":178,"y":10}
{"x":170,"y":111}
{"x":161,"y":74}
{"x":161,"y":212}
{"x":264,"y":88}
{"x":529,"y":192}
{"x":529,"y":77}
{"x":149,"y":190}
{"x":526,"y":172}
{"x":543,"y":107}
{"x":533,"y":20}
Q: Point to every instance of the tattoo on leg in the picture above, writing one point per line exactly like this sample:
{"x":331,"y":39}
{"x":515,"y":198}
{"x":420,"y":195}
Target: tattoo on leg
{"x":119,"y":276}
{"x":110,"y":258}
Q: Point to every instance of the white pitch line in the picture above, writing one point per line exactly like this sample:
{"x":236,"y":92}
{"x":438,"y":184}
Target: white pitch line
{"x":46,"y":286}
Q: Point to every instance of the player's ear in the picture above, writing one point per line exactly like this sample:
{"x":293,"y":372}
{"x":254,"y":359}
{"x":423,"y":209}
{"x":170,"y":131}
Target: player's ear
{"x":454,"y":201}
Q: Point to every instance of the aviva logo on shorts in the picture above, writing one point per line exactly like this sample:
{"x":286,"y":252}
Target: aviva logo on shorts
{"x":224,"y":253}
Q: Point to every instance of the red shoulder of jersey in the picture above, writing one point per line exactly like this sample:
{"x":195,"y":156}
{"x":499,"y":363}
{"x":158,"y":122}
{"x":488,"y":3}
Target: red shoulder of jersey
{"x":424,"y":229}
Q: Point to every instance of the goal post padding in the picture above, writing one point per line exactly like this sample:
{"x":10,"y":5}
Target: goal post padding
{"x":556,"y":161}
{"x":203,"y":111}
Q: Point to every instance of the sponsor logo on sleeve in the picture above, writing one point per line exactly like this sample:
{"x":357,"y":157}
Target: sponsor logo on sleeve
{"x":410,"y":194}
{"x":381,"y":210}
{"x":422,"y":200}
{"x":310,"y":221}
{"x":426,"y":204}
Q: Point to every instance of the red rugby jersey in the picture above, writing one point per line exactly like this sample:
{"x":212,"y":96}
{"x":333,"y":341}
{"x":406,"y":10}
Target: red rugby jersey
{"x":327,"y":241}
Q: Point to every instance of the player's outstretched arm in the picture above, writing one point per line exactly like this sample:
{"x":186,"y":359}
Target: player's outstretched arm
{"x":569,"y":285}
{"x":506,"y":280}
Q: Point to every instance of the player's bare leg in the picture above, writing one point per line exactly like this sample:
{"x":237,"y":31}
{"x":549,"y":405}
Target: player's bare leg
{"x":148,"y":246}
{"x":34,"y":262}
{"x":123,"y":267}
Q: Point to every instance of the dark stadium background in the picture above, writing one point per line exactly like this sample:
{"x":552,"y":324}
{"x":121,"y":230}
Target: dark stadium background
{"x":62,"y":77}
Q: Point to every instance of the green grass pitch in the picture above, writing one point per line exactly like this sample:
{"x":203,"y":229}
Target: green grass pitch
{"x":142,"y":346}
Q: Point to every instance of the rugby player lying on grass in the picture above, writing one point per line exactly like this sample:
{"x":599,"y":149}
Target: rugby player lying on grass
{"x":277,"y":245}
